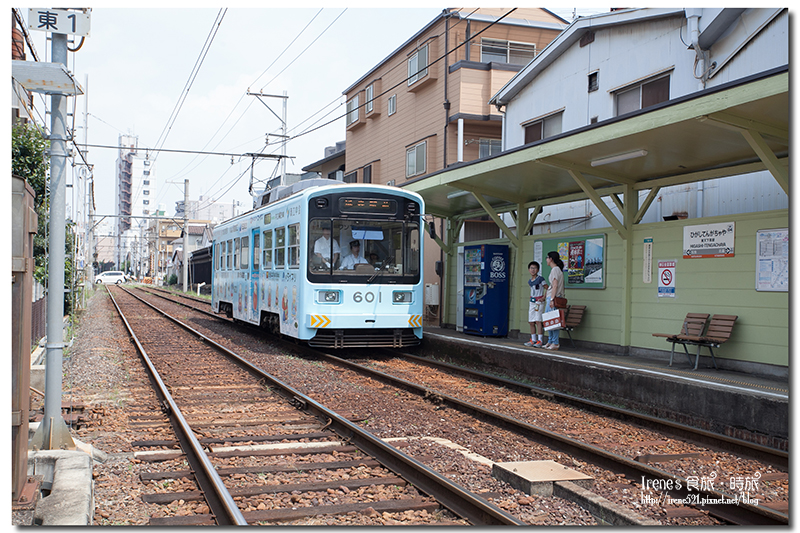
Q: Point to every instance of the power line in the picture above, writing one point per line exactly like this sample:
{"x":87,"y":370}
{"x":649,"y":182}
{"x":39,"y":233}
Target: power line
{"x":155,"y":150}
{"x":409,"y":77}
{"x":192,"y":76}
{"x":177,"y":174}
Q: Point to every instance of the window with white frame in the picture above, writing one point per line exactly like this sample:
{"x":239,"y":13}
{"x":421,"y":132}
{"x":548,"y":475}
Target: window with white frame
{"x":294,"y":246}
{"x":543,"y":128}
{"x":352,"y":110}
{"x":487,"y":147}
{"x":393,"y":104}
{"x":368,"y":96}
{"x":415,"y":160}
{"x":642,"y":95}
{"x":280,"y":247}
{"x":244,"y":253}
{"x":267,"y":249}
{"x":512,"y":52}
{"x":418,"y":65}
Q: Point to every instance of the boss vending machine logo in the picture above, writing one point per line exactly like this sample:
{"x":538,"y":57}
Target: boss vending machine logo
{"x":498,"y":266}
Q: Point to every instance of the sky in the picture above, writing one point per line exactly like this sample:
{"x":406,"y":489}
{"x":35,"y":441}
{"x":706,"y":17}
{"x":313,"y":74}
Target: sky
{"x":135,"y":67}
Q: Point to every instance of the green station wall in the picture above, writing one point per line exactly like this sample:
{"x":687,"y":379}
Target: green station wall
{"x":707,"y":285}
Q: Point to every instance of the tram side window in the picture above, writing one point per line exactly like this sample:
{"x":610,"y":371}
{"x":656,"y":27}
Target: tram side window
{"x":228,"y":256}
{"x":268,"y":249}
{"x":294,"y":246}
{"x":236,"y":246}
{"x":280,"y":250}
{"x":244,"y":253}
{"x":216,"y":256}
{"x":256,"y":250}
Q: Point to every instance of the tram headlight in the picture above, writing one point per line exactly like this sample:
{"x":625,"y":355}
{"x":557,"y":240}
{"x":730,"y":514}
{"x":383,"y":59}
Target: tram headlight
{"x":402,"y":297}
{"x":328,"y":297}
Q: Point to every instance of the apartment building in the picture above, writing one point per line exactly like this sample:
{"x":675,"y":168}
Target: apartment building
{"x":426,"y":106}
{"x":136,"y":192}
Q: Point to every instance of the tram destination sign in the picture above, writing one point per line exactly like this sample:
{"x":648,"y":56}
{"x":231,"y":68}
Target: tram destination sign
{"x":59,"y":21}
{"x":709,"y":240}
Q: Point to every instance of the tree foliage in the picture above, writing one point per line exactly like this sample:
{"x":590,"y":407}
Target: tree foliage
{"x":29,"y":160}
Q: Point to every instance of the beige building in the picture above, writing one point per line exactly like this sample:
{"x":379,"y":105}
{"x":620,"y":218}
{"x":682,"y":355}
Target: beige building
{"x":426,"y":106}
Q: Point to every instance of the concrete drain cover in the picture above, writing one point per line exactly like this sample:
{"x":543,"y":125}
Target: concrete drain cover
{"x":537,"y":477}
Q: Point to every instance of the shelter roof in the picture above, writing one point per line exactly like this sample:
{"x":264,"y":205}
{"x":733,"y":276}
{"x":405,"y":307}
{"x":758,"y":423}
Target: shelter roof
{"x":731,"y":129}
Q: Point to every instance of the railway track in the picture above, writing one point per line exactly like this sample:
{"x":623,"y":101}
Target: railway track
{"x":294,"y":457}
{"x":636,"y":467}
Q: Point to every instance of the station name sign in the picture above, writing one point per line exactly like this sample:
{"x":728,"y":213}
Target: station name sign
{"x":709,"y":240}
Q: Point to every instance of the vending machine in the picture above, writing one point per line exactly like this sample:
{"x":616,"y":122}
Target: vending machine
{"x":486,"y":282}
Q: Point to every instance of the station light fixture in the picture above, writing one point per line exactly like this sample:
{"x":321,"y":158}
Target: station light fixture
{"x":619,"y":157}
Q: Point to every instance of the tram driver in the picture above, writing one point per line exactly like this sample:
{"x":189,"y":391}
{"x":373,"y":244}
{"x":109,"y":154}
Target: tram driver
{"x":323,"y":247}
{"x":355,"y":258}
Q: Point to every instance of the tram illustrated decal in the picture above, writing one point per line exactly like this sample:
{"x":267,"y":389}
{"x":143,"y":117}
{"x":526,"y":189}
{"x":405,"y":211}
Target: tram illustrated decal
{"x":333,"y":264}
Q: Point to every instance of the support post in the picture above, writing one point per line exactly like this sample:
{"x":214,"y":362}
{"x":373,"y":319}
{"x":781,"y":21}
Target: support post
{"x":53,"y":432}
{"x":629,"y":213}
{"x":185,"y":235}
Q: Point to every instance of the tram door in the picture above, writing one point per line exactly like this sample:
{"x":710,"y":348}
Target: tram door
{"x":255,"y":271}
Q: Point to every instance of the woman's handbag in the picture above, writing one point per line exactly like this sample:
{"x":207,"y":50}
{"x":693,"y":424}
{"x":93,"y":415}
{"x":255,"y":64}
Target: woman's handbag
{"x":559,"y":303}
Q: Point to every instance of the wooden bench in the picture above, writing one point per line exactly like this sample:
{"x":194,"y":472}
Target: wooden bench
{"x":694,"y":324}
{"x":719,"y":331}
{"x":573,"y":319}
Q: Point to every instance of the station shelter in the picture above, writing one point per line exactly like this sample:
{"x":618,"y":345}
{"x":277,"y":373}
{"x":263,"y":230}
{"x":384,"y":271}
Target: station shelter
{"x":729,"y":130}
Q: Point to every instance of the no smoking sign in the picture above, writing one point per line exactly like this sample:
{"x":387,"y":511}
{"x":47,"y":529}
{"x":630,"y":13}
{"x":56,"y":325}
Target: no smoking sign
{"x":666,"y":279}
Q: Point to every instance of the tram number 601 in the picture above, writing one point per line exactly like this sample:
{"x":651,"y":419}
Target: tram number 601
{"x":366,"y":297}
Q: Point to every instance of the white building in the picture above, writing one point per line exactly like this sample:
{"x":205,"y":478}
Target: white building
{"x":618,"y":63}
{"x":136,"y":194}
{"x":208,"y":209}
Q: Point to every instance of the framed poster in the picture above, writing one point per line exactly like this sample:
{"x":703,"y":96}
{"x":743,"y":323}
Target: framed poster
{"x":772,"y":260}
{"x":584,"y":260}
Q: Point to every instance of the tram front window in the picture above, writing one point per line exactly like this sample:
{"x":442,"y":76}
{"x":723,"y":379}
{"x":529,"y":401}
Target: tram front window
{"x":347,"y":250}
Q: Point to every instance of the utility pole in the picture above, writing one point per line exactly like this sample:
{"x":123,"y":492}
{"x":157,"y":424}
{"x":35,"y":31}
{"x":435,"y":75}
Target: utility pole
{"x":53,"y":432}
{"x":185,"y":234}
{"x":284,"y":132}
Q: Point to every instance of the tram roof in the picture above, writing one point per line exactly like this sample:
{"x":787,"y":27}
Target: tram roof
{"x":688,"y":139}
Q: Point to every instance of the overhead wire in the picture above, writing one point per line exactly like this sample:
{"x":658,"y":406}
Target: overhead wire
{"x":177,"y":174}
{"x":192,"y":77}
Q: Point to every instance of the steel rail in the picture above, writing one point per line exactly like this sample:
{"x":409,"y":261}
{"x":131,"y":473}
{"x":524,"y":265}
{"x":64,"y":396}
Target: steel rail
{"x":744,"y":514}
{"x":741,"y":514}
{"x":722,"y":442}
{"x":459,"y":500}
{"x":219,"y":499}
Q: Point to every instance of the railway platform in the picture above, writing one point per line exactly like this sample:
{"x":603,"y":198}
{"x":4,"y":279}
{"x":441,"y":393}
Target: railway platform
{"x":737,"y":404}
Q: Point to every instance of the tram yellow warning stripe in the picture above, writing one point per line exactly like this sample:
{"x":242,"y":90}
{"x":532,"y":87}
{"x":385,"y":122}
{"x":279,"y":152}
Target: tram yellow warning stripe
{"x":319,"y":321}
{"x":415,"y":321}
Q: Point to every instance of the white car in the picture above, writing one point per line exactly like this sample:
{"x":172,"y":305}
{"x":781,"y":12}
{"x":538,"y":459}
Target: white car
{"x":112,"y":276}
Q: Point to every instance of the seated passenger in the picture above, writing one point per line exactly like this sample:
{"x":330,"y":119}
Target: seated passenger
{"x":373,"y":259}
{"x":349,"y":262}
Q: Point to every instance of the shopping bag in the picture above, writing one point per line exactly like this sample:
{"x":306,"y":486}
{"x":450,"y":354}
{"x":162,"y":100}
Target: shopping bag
{"x":554,"y":319}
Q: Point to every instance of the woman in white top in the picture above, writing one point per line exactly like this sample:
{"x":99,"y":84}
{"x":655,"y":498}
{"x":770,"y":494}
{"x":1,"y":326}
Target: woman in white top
{"x":555,"y":289}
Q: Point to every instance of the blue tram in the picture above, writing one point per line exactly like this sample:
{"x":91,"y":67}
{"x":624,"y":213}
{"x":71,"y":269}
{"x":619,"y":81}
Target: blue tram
{"x":335,"y":265}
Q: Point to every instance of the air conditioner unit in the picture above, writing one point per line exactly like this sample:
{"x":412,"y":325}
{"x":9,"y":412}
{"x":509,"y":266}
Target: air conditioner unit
{"x":390,"y":183}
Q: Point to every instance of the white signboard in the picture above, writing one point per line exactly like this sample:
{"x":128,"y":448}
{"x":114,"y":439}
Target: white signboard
{"x":708,"y":240}
{"x":59,"y":21}
{"x":647,"y":261}
{"x":666,"y":279}
{"x":772,"y":260}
